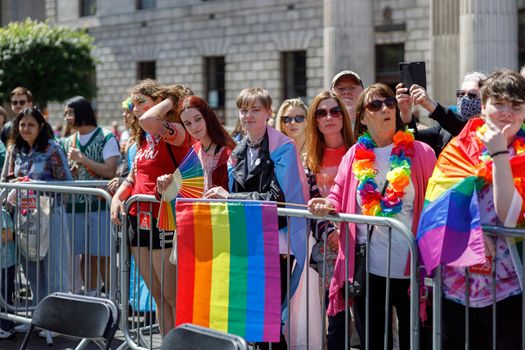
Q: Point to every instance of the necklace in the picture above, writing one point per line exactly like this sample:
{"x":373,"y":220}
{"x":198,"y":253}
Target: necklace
{"x":485,"y":166}
{"x":391,"y":203}
{"x":256,"y":144}
{"x":208,"y":148}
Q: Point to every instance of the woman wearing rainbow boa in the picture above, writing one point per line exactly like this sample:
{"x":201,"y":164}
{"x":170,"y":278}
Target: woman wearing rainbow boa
{"x":384,"y":151}
{"x":480,"y":180}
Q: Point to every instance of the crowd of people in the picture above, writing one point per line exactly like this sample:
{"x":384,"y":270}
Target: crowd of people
{"x":355,"y":149}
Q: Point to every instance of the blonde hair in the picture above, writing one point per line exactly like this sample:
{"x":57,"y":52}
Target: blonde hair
{"x":315,"y":143}
{"x":248,"y":97}
{"x":292,"y":102}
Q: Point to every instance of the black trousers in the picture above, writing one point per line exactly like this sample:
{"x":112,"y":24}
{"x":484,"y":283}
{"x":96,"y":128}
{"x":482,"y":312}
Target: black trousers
{"x":399,"y":299}
{"x":335,"y":337}
{"x":508,"y":325}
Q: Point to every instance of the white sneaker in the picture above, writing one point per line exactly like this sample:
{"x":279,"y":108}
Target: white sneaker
{"x":42,"y":334}
{"x":6,"y":334}
{"x":22,"y":328}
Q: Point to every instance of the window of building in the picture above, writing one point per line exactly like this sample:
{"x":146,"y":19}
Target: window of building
{"x":521,"y":38}
{"x":387,"y":63}
{"x":88,"y":8}
{"x":145,"y":4}
{"x":293,"y":65}
{"x":214,"y":68}
{"x":146,"y":69}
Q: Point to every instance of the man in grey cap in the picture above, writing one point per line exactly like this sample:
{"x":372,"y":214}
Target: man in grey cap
{"x":347,"y":85}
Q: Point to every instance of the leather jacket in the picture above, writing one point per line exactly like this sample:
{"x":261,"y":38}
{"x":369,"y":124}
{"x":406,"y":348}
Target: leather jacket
{"x":258,"y":184}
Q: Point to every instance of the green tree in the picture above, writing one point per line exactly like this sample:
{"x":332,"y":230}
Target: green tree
{"x":54,"y":62}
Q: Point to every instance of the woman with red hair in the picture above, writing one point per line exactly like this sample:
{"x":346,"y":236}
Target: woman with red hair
{"x":214,"y":145}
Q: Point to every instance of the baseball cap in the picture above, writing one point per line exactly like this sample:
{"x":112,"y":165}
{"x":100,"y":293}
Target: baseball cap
{"x":346,"y":73}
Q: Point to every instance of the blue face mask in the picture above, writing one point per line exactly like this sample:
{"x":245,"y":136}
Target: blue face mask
{"x":467,"y":107}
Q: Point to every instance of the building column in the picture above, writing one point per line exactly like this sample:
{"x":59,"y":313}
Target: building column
{"x":349,"y":39}
{"x":488,"y":35}
{"x":444,"y":61}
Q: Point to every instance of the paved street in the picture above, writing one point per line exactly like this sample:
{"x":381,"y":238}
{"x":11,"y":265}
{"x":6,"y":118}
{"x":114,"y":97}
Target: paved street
{"x":60,"y":343}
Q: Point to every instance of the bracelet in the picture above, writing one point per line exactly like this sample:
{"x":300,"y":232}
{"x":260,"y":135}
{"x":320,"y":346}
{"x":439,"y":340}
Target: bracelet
{"x":498,"y":153}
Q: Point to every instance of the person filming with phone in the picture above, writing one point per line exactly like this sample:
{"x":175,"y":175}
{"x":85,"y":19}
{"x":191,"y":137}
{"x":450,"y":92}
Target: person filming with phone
{"x":450,"y":123}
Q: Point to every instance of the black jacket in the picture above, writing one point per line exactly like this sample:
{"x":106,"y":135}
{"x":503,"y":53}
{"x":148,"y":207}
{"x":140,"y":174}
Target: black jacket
{"x":437,"y":137}
{"x":260,"y":183}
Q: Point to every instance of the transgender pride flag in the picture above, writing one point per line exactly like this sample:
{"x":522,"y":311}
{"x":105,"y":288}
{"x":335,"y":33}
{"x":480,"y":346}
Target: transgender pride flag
{"x":228,"y":267}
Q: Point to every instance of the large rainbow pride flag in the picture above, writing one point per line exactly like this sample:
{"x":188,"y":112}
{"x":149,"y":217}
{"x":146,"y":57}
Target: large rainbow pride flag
{"x":228,"y":267}
{"x":450,"y":230}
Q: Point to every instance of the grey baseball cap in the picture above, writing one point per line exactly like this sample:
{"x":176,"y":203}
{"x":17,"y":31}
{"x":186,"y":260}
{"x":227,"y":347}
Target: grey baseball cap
{"x":346,"y":73}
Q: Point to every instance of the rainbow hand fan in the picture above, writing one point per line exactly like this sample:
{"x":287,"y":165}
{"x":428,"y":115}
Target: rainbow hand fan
{"x":188,"y":182}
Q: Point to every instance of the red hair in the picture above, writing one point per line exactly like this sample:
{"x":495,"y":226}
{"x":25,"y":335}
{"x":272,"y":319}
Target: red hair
{"x":214,"y":128}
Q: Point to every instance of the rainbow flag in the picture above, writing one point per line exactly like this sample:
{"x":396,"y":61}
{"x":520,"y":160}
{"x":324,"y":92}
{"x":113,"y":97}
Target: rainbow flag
{"x":450,"y":231}
{"x":228,"y":267}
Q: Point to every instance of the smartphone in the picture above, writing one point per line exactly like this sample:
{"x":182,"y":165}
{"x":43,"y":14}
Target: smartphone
{"x":413,"y":73}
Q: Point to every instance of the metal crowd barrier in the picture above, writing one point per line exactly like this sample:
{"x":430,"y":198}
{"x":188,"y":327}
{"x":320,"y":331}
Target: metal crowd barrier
{"x":138,"y":321}
{"x":41,"y":269}
{"x":437,"y":284}
{"x":142,"y":334}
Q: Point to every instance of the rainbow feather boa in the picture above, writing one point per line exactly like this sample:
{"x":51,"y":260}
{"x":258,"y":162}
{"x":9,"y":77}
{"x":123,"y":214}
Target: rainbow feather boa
{"x":391,"y":203}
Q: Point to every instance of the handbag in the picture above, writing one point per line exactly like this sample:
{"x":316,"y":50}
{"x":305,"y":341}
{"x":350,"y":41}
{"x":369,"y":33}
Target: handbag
{"x":32,"y":225}
{"x":357,"y":287}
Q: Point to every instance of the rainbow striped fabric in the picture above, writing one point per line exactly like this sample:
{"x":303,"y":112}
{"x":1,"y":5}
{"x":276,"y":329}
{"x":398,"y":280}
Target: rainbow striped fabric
{"x":450,"y":230}
{"x":228,"y":267}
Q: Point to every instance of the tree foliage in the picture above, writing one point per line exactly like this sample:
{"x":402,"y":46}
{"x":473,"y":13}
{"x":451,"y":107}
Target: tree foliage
{"x":54,"y":62}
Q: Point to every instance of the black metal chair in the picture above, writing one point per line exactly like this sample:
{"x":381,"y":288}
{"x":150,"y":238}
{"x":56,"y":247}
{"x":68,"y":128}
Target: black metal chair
{"x":193,"y":337}
{"x":77,"y":316}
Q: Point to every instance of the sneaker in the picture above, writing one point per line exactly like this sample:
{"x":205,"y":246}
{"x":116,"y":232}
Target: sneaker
{"x":42,"y":334}
{"x":22,"y":328}
{"x":6,"y":334}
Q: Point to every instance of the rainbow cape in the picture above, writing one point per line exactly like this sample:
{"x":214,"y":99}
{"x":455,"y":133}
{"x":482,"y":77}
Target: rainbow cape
{"x":450,"y":230}
{"x":228,"y":267}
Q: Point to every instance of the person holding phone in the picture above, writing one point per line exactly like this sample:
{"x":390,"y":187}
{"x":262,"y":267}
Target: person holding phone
{"x":450,"y":123}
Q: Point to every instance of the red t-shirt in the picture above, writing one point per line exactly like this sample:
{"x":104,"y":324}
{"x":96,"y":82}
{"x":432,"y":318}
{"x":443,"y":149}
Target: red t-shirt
{"x":152,"y":160}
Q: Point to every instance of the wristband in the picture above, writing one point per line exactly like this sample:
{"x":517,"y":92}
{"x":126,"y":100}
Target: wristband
{"x":498,"y":153}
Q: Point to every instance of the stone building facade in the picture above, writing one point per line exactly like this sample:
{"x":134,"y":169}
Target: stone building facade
{"x":290,"y":47}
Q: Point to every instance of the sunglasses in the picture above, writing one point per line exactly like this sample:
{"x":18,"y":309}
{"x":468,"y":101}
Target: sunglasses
{"x":297,"y":118}
{"x":375,"y":105}
{"x":20,"y":102}
{"x":472,"y":94}
{"x":335,"y":112}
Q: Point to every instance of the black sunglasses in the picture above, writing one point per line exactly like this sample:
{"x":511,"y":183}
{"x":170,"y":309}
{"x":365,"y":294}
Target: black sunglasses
{"x":335,"y":112}
{"x":297,"y":118}
{"x":375,"y":105}
{"x":472,"y":94}
{"x":16,"y":103}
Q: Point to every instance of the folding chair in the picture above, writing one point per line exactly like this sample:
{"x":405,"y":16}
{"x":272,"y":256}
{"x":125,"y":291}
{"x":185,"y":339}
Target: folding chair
{"x":77,"y":316}
{"x":193,"y":337}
